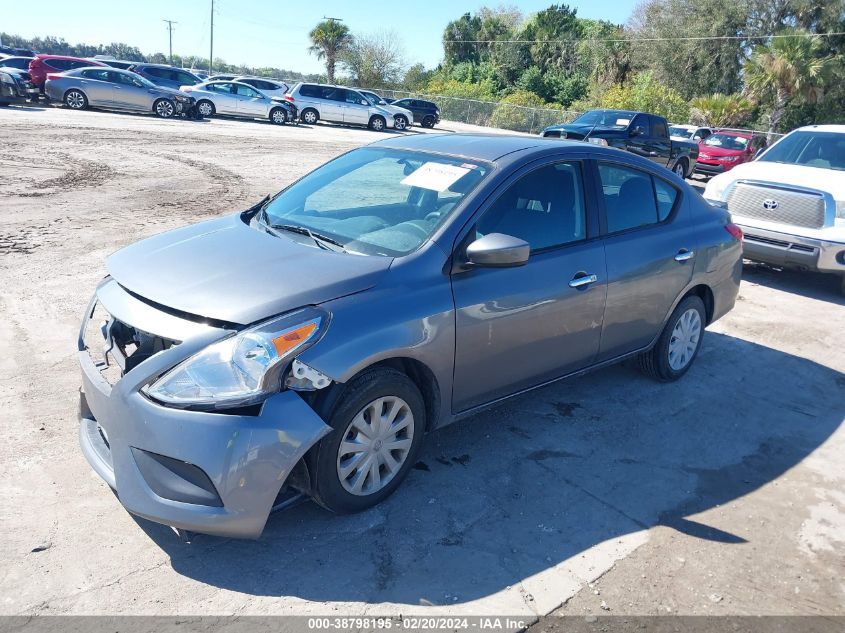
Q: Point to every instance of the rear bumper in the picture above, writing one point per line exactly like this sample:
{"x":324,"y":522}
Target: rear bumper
{"x":792,"y":251}
{"x":206,"y":472}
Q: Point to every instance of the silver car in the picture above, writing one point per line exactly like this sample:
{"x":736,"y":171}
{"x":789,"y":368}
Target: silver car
{"x":307,"y":344}
{"x":101,"y":87}
{"x":338,"y":104}
{"x":402,"y":117}
{"x":233,"y":98}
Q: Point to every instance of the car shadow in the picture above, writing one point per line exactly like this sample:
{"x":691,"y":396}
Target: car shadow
{"x":821,"y":286}
{"x":518,"y":489}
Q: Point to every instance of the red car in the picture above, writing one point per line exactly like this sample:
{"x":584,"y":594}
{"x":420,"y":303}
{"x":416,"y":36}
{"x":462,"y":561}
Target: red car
{"x":725,"y":149}
{"x":41,"y":65}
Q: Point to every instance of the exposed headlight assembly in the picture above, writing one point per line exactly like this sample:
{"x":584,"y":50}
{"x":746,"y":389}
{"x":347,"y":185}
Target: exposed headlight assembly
{"x":242,"y":369}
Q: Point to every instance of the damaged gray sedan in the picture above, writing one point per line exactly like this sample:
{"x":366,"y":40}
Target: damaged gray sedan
{"x":307,"y":345}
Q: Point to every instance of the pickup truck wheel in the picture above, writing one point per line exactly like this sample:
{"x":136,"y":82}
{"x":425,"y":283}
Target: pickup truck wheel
{"x":681,"y":168}
{"x":678,"y":345}
{"x":378,"y":422}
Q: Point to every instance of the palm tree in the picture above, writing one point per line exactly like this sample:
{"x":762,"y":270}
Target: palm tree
{"x":788,"y":68}
{"x":329,"y":38}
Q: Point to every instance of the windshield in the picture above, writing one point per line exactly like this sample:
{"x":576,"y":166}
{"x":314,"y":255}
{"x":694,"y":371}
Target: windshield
{"x":813,"y":149}
{"x":727,"y":141}
{"x":680,"y":131}
{"x":375,"y":201}
{"x":606,"y":118}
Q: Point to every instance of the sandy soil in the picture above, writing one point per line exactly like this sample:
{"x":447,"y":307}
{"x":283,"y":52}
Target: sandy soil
{"x":722,"y":493}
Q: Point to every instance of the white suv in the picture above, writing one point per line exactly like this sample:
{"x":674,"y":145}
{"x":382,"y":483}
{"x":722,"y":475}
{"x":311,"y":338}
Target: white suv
{"x":790,"y":200}
{"x":338,"y":104}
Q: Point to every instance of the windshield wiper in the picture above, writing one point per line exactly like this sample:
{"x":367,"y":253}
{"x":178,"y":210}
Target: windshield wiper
{"x":323,"y":241}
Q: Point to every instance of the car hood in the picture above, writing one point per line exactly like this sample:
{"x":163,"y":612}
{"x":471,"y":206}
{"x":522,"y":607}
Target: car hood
{"x":716,"y":151}
{"x":829,"y":180}
{"x":226,"y":270}
{"x":171,"y":91}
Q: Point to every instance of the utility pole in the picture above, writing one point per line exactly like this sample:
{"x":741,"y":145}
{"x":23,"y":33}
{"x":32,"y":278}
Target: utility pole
{"x":170,"y":24}
{"x":211,"y":51}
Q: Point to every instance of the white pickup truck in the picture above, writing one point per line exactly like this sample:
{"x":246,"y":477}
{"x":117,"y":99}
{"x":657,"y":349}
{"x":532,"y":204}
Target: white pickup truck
{"x":790,"y":201}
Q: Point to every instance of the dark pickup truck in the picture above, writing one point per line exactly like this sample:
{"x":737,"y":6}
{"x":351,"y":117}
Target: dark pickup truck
{"x":637,"y":132}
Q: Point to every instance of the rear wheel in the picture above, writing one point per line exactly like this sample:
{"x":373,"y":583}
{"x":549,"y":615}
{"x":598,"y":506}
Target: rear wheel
{"x":377,"y":123}
{"x":278,"y":116}
{"x":310,"y":116}
{"x":678,"y":345}
{"x":681,"y":168}
{"x":76,"y":100}
{"x":378,"y":422}
{"x":164,"y":108}
{"x":400,"y":122}
{"x":428,"y":121}
{"x":205,"y":108}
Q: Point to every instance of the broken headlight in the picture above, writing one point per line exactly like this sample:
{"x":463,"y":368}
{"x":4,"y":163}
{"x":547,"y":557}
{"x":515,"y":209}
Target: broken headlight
{"x":242,"y":369}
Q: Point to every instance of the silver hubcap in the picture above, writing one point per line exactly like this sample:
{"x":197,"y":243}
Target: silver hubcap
{"x":375,"y":445}
{"x":205,"y":109}
{"x":679,"y":169}
{"x":75,"y":100}
{"x":278,"y":116}
{"x":164,"y":108}
{"x":685,"y":337}
{"x":400,"y":123}
{"x":377,"y":124}
{"x":310,"y":117}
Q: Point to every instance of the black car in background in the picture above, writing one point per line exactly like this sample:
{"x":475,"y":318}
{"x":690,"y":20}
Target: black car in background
{"x":426,"y":113}
{"x":16,"y":87}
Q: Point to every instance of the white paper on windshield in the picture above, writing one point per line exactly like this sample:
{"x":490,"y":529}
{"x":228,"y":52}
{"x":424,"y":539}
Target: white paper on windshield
{"x":435,"y":176}
{"x":623,"y":121}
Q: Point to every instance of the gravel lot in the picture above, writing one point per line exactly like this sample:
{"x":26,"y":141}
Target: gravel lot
{"x":720,"y":494}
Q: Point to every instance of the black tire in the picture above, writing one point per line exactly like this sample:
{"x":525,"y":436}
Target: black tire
{"x":400,"y":122}
{"x":428,"y":121}
{"x":278,"y":116}
{"x":206,"y":109}
{"x":357,"y":394}
{"x":75,"y":100}
{"x":655,"y":363}
{"x":377,"y":123}
{"x":3,"y":104}
{"x":164,"y":108}
{"x":309,"y":116}
{"x":681,"y":168}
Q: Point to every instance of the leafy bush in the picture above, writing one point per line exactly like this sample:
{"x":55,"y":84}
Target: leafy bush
{"x":720,"y":110}
{"x":644,"y":94}
{"x":509,"y":115}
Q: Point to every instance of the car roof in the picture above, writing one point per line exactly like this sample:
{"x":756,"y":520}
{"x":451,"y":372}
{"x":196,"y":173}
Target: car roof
{"x":830,"y":127}
{"x":82,"y":59}
{"x":483,"y":147}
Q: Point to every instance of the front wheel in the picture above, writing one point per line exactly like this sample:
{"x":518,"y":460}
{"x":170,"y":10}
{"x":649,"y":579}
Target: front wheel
{"x":400,"y":122}
{"x":278,"y":116}
{"x":310,"y":116}
{"x":205,"y":108}
{"x":76,"y":100}
{"x":428,"y":121}
{"x":681,"y":168}
{"x":378,"y":422}
{"x":678,"y":345}
{"x":377,"y":124}
{"x":164,"y":108}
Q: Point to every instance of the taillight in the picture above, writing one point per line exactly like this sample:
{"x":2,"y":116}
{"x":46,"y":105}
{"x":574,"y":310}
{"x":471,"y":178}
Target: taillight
{"x":288,"y":98}
{"x":734,"y":230}
{"x":53,"y":76}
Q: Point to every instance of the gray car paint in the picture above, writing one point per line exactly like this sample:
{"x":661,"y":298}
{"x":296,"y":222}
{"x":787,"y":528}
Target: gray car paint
{"x":481,"y":334}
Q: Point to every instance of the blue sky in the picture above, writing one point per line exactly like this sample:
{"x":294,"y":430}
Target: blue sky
{"x":258,"y":32}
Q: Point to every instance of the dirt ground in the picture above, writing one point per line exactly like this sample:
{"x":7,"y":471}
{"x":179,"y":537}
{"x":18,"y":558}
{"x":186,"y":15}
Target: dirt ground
{"x":608,"y":494}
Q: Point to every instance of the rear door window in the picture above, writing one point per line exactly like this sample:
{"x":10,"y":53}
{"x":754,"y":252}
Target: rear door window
{"x":99,"y":75}
{"x":629,"y":198}
{"x":57,"y":64}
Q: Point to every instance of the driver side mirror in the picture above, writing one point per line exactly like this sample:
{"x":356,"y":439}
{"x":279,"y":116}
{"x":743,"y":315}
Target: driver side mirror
{"x":497,"y":250}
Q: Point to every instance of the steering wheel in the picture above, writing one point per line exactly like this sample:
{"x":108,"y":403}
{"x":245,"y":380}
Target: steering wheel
{"x":433,"y":216}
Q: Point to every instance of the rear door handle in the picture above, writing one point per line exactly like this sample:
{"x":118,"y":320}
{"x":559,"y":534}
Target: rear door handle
{"x":583,"y":280}
{"x":684,"y":255}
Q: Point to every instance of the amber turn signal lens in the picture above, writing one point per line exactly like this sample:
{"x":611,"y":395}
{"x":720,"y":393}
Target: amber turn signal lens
{"x":294,"y":338}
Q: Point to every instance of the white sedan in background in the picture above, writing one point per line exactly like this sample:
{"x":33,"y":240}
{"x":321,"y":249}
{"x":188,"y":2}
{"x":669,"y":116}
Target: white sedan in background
{"x":233,"y":98}
{"x":684,"y":132}
{"x":790,"y":201}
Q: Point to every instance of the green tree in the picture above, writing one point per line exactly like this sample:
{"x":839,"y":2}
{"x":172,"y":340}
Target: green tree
{"x":554,"y":33}
{"x":459,"y":39}
{"x":720,"y":110}
{"x":416,"y":77}
{"x":329,"y":39}
{"x":645,"y":94}
{"x":787,"y":69}
{"x":376,"y":60}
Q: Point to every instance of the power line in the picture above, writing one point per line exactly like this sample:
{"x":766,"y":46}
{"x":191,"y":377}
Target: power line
{"x":648,"y":39}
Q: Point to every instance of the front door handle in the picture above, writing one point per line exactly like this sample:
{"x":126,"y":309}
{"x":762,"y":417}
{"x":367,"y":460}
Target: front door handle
{"x":684,"y":255}
{"x":583,"y":280}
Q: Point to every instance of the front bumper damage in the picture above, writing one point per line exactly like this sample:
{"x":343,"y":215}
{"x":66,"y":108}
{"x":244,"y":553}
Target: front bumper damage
{"x":211,"y":472}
